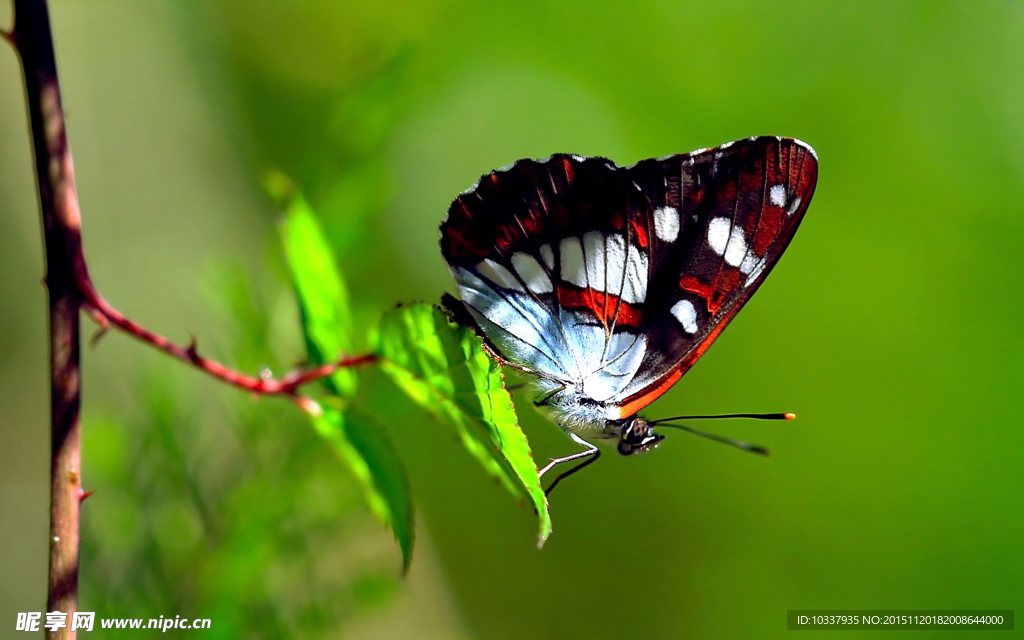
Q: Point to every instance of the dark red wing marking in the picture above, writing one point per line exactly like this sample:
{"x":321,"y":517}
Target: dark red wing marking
{"x":641,"y":234}
{"x":607,"y":308}
{"x":714,"y":293}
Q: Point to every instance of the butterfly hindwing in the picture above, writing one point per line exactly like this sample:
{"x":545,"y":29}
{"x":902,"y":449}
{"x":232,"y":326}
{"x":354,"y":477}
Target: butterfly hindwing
{"x":545,"y":265}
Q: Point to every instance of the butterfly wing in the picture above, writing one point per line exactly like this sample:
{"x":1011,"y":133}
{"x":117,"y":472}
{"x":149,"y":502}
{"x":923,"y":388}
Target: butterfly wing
{"x":718,"y":221}
{"x":548,"y":269}
{"x":617,"y":280}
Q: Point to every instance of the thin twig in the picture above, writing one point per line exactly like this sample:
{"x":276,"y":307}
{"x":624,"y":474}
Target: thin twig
{"x":287,"y":385}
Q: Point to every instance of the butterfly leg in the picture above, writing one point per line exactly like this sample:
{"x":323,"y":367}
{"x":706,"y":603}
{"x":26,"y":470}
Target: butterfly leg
{"x":591,"y":451}
{"x":589,"y":461}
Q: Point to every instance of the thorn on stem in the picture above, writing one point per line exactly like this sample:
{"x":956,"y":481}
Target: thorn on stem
{"x":309,"y":405}
{"x":95,"y":339}
{"x":97,"y":316}
{"x":85,"y":494}
{"x":193,"y":350}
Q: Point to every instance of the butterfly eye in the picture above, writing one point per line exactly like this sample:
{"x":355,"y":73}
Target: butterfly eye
{"x":625,"y":447}
{"x":639,"y":437}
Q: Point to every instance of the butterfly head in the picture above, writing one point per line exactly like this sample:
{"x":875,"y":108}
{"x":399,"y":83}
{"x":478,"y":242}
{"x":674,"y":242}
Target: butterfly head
{"x":638,"y":437}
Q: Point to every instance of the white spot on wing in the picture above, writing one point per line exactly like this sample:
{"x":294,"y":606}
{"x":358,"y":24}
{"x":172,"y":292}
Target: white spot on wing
{"x":778,"y":195}
{"x":736,"y":250}
{"x":531,"y":272}
{"x":718,"y":234}
{"x":593,"y":250}
{"x":573,"y":268}
{"x":498,"y":274}
{"x":755,"y":271}
{"x":686,"y":314}
{"x":749,"y":262}
{"x":793,"y":206}
{"x":548,"y":256}
{"x":635,"y":290}
{"x":731,"y":244}
{"x":666,"y":223}
{"x":615,"y":250}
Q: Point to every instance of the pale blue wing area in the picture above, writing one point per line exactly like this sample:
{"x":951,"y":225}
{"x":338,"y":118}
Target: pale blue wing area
{"x":523,"y":330}
{"x":635,"y":385}
{"x":570,"y":346}
{"x":608,"y":376}
{"x":607,"y":263}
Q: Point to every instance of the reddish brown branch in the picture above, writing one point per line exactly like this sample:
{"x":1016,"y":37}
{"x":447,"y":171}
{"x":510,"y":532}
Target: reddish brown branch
{"x":287,"y":385}
{"x":56,"y":183}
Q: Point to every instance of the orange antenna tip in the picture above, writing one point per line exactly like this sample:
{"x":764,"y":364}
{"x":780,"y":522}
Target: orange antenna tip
{"x":790,"y":416}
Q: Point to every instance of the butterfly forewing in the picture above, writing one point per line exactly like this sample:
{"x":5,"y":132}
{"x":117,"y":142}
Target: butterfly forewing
{"x":617,"y":279}
{"x":738,"y":207}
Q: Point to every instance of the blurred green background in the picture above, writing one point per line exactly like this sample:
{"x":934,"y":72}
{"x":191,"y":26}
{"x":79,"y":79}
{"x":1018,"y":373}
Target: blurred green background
{"x":892,"y":325}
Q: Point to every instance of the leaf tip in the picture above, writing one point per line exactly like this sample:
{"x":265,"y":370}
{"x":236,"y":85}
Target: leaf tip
{"x":545,"y":533}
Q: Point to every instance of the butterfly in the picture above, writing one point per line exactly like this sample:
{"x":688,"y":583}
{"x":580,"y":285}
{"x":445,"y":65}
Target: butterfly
{"x":607,"y":283}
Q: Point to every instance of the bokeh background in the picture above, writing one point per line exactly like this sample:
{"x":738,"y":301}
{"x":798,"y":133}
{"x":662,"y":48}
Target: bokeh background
{"x":892,"y":325}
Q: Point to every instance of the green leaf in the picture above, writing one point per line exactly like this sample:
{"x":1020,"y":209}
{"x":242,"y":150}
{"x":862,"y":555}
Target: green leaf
{"x":366,"y":448}
{"x":323,"y":299}
{"x":444,"y":368}
{"x":321,"y":291}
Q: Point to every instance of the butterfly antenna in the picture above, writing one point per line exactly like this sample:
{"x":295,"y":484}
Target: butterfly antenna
{"x":739,"y":444}
{"x":756,"y":416}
